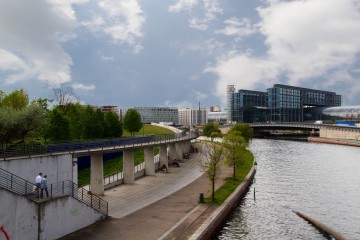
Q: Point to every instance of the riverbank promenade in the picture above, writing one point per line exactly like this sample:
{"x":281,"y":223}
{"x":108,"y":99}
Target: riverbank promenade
{"x":164,"y":206}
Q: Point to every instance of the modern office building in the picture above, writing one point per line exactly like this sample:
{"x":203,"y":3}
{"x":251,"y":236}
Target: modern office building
{"x":281,"y":103}
{"x":168,"y":115}
{"x":192,"y":116}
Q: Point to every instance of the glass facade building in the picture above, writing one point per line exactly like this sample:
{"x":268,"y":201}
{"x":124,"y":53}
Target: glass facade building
{"x":281,"y":103}
{"x":158,"y":114}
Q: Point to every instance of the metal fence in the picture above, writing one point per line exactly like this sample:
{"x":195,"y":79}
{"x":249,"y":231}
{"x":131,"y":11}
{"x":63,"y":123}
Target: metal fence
{"x":29,"y":149}
{"x":29,"y":190}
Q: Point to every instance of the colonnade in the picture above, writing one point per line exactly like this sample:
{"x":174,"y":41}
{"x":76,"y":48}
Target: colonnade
{"x":167,"y":153}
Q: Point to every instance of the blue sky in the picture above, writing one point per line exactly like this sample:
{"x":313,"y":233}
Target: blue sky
{"x":178,"y":52}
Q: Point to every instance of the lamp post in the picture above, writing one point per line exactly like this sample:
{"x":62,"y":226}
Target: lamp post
{"x":254,"y":181}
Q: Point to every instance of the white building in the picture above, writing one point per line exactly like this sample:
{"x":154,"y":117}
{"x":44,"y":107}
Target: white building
{"x":192,"y":116}
{"x":167,"y":115}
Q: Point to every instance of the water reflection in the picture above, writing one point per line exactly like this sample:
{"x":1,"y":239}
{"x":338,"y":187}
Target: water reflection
{"x":319,"y":180}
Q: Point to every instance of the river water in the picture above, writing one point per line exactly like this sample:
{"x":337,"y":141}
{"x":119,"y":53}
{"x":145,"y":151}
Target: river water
{"x":319,"y":180}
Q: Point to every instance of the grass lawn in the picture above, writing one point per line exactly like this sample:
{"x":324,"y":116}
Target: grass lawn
{"x":116,"y":164}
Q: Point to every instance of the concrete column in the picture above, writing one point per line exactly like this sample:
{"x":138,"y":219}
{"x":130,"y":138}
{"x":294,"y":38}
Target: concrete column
{"x":163,"y":156}
{"x":172,"y":152}
{"x":179,"y":150}
{"x":188,"y":146}
{"x":128,"y":166}
{"x":97,"y":174}
{"x":75,"y":170}
{"x":149,"y":161}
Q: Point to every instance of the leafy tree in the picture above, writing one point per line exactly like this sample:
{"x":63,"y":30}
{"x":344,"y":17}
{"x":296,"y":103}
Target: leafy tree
{"x":211,"y":159}
{"x":8,"y":125}
{"x":93,"y":123}
{"x":75,"y":114}
{"x":59,"y":127}
{"x":112,"y":125}
{"x":245,"y":130}
{"x":210,"y":128}
{"x":30,"y":119}
{"x":236,"y":147}
{"x":132,"y":121}
{"x":16,"y":100}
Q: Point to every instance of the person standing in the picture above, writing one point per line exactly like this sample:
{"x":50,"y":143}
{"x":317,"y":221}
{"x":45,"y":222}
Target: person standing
{"x":44,"y":187}
{"x":38,"y":184}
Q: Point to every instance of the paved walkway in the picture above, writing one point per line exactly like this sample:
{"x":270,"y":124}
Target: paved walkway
{"x":164,"y":206}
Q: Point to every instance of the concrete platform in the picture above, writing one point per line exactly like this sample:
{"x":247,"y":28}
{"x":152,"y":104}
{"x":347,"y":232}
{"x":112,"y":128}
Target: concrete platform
{"x":164,"y":206}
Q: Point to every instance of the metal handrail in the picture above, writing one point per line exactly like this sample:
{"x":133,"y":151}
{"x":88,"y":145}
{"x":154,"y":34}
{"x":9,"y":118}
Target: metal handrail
{"x":28,"y":149}
{"x":24,"y":188}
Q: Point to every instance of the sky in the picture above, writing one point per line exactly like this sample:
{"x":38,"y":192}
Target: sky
{"x":177,"y":53}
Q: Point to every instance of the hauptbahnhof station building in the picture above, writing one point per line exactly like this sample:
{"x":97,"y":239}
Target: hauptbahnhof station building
{"x":281,"y":103}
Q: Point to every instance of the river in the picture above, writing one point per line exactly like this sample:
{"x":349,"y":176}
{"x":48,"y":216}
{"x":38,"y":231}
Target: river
{"x":319,"y":180}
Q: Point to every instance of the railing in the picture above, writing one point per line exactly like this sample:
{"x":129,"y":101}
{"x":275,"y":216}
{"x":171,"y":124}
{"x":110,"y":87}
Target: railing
{"x":28,"y":149}
{"x":118,"y":176}
{"x":27,"y":189}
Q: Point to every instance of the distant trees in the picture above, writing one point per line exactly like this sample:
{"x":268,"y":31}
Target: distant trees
{"x":132,"y":121}
{"x":210,"y":128}
{"x":82,"y":122}
{"x":23,"y":119}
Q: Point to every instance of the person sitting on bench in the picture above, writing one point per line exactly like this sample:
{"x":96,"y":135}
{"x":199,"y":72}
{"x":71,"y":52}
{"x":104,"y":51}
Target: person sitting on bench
{"x":164,"y":168}
{"x":175,"y":163}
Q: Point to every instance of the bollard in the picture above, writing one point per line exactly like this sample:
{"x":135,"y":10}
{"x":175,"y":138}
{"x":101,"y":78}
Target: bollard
{"x":201,"y":197}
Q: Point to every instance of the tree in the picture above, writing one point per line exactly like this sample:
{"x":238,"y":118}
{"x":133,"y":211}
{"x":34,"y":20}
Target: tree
{"x":132,"y":121}
{"x":75,"y":114}
{"x":30,"y":119}
{"x":210,"y":128}
{"x":235,"y":146}
{"x":211,"y":158}
{"x":16,"y":100}
{"x":93,"y":123}
{"x":64,"y":96}
{"x":245,"y":130}
{"x":59,"y":128}
{"x":112,"y":125}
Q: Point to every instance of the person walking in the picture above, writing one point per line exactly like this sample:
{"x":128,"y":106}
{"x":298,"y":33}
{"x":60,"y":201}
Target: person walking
{"x":38,"y":184}
{"x":44,"y":187}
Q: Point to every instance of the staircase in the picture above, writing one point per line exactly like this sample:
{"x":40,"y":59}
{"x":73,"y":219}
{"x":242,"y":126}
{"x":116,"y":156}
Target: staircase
{"x":27,"y":189}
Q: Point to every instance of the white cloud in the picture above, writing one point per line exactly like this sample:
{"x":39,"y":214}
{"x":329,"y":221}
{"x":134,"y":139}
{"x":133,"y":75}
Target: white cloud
{"x":306,"y":40}
{"x":237,"y":27}
{"x":31,"y":33}
{"x":83,"y":87}
{"x":211,"y":9}
{"x":183,"y":5}
{"x":122,"y":20}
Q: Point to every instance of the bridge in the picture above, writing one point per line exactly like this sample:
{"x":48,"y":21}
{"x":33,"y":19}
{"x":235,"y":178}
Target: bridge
{"x":324,"y":130}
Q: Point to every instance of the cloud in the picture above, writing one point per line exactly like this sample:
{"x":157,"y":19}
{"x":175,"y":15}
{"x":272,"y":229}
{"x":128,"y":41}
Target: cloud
{"x":30,"y":40}
{"x":83,"y":87}
{"x":122,"y":20}
{"x":237,"y":27}
{"x":183,"y":5}
{"x":322,"y":46}
{"x":211,"y":9}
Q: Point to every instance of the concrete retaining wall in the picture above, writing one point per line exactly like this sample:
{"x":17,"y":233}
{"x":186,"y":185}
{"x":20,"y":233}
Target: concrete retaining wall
{"x":58,"y":167}
{"x":212,"y":224}
{"x":25,"y":219}
{"x":340,"y":133}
